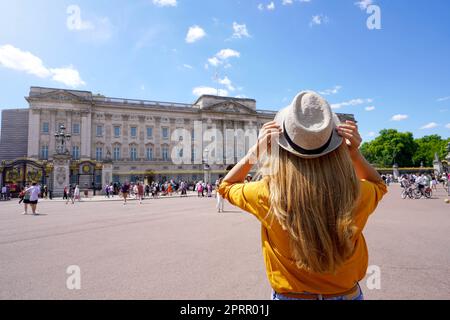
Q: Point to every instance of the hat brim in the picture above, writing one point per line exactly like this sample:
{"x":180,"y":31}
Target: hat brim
{"x":335,"y":142}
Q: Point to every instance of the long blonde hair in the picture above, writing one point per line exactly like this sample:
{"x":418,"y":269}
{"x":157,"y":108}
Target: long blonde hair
{"x":313,"y":200}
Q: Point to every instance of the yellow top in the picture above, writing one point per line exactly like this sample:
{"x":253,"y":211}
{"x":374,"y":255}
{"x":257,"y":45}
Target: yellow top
{"x":283,"y":274}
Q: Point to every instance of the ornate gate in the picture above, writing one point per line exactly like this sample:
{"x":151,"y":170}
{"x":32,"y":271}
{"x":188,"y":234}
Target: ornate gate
{"x":23,"y":171}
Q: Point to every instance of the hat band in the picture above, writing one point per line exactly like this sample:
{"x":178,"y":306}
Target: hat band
{"x":299,"y":149}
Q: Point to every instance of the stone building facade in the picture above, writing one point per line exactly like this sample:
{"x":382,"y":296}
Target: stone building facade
{"x":138,"y":138}
{"x":117,"y":140}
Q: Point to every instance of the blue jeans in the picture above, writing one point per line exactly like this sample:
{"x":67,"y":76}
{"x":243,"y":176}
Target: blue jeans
{"x":358,"y":296}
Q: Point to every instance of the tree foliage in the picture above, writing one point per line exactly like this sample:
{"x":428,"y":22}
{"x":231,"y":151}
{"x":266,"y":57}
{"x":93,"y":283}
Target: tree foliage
{"x":392,"y":147}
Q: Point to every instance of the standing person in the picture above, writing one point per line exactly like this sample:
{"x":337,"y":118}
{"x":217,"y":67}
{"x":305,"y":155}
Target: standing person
{"x":311,"y":225}
{"x":434,"y":183}
{"x":3,"y":193}
{"x":209,"y":190}
{"x":76,"y":193}
{"x":147,"y":190}
{"x":71,"y":195}
{"x":140,"y":192}
{"x":21,"y":195}
{"x":220,"y":202}
{"x":199,"y":189}
{"x":125,"y":190}
{"x":65,"y":193}
{"x":106,"y":189}
{"x":34,"y":192}
{"x":169,"y":189}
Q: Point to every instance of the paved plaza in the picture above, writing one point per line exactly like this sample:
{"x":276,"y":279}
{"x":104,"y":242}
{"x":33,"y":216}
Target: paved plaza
{"x":181,"y":248}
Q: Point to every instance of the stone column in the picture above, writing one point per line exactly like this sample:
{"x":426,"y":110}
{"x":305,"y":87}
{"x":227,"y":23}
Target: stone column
{"x":86,"y":128}
{"x":34,"y":133}
{"x":53,"y":128}
{"x":395,"y":172}
{"x":61,"y":171}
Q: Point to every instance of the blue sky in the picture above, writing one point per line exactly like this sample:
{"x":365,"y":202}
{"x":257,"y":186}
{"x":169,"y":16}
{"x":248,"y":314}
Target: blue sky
{"x":172,"y":50}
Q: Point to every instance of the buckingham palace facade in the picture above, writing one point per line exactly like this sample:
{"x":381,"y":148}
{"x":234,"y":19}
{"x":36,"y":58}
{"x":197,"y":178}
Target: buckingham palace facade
{"x":117,"y":140}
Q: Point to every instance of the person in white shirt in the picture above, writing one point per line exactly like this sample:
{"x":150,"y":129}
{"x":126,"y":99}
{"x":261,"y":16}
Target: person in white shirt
{"x":34,"y":192}
{"x":4,"y":193}
{"x":220,"y":201}
{"x":77,"y":193}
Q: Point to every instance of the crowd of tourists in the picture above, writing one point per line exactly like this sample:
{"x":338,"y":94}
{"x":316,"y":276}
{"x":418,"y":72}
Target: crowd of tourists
{"x":424,"y":180}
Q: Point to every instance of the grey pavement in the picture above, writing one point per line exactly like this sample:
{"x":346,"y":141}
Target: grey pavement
{"x":181,"y":248}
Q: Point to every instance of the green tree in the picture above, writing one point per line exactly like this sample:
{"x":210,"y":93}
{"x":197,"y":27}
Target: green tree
{"x":391,"y":147}
{"x":427,"y":147}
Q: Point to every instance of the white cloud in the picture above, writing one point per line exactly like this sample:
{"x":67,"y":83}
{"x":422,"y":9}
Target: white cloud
{"x":447,"y":125}
{"x":318,"y":20}
{"x":195,"y":33}
{"x":260,"y":7}
{"x":271,"y":6}
{"x":68,"y":75}
{"x":364,"y":4}
{"x":443,"y":99}
{"x":370,"y":108}
{"x":16,"y":59}
{"x":214,"y":61}
{"x":227,"y":83}
{"x":198,"y":91}
{"x":222,"y":57}
{"x":290,"y":2}
{"x":331,"y":91}
{"x":371,"y":134}
{"x":142,"y":87}
{"x":165,"y":3}
{"x":188,"y":66}
{"x":399,"y":117}
{"x":430,"y":125}
{"x":225,"y":54}
{"x":353,"y":102}
{"x":240,"y":31}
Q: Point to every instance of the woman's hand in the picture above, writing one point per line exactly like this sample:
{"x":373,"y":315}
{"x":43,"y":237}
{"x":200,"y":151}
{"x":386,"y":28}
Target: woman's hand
{"x":349,"y":131}
{"x":267,"y":134}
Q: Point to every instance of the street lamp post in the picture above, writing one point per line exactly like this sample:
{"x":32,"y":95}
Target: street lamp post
{"x":62,"y":138}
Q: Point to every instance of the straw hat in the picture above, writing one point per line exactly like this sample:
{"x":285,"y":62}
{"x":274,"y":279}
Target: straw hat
{"x":309,"y":126}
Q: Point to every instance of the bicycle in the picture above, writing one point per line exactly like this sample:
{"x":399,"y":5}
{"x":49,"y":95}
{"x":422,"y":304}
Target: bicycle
{"x":407,"y":192}
{"x":422,"y":192}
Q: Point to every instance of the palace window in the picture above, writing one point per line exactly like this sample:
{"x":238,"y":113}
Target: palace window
{"x":149,"y":133}
{"x":99,"y":153}
{"x":44,"y":152}
{"x":76,"y":128}
{"x":133,"y":153}
{"x":133,"y":132}
{"x":165,"y":154}
{"x":165,"y":133}
{"x":149,"y":153}
{"x":76,"y":152}
{"x":116,"y":154}
{"x":117,"y":131}
{"x":45,"y":127}
{"x":99,"y":131}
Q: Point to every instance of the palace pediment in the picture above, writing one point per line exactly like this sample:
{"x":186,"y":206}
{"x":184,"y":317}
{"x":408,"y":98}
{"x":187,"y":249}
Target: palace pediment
{"x":230,"y":107}
{"x":60,"y":95}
